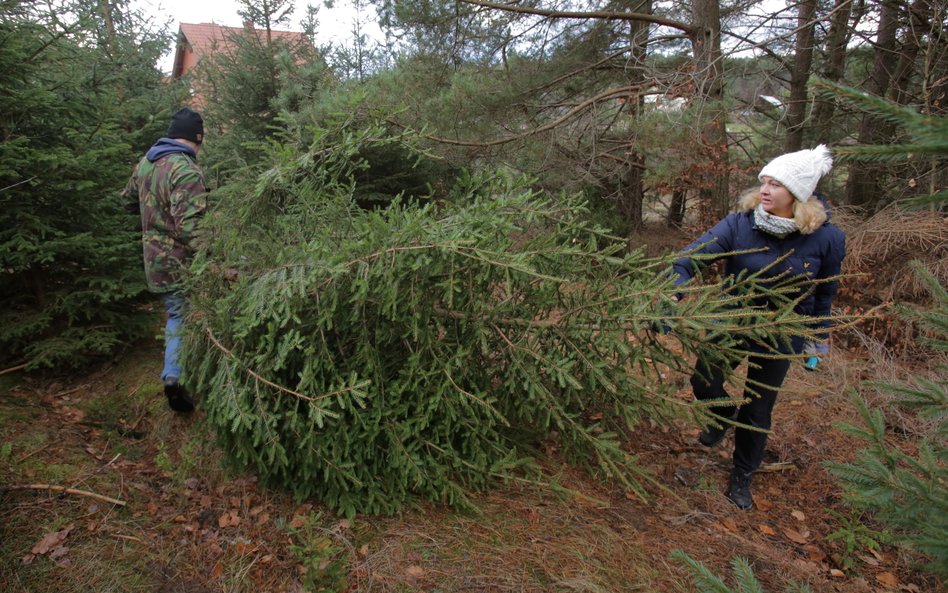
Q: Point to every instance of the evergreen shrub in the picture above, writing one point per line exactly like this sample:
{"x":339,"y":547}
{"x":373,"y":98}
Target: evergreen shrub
{"x":367,"y":357}
{"x":71,"y":279}
{"x":904,"y":487}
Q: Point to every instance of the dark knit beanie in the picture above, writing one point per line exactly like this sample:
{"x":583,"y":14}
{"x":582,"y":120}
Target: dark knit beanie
{"x":187,"y":124}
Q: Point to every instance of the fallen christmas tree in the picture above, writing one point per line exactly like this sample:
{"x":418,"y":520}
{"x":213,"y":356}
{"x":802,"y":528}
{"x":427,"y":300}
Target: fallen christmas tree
{"x":366,"y":357}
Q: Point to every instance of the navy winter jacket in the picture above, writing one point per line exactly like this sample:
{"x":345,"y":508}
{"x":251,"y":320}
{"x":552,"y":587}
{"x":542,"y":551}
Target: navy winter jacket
{"x":818,"y":255}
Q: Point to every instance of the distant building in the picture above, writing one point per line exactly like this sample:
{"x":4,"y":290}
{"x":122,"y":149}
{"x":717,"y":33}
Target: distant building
{"x":197,"y":41}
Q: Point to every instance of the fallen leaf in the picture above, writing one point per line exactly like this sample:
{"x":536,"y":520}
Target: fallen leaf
{"x":152,"y":509}
{"x":364,"y":551}
{"x":814,"y":553}
{"x":888,"y":579}
{"x":343,"y":525}
{"x":766,"y":529}
{"x":730,"y":524}
{"x":267,"y":559}
{"x":629,"y":495}
{"x":414,"y":572}
{"x":180,"y":519}
{"x":28,"y":559}
{"x":256,"y":511}
{"x":303,"y":509}
{"x":192,"y":483}
{"x":263,"y":518}
{"x":911,"y":588}
{"x":228,"y":519}
{"x":798,"y":515}
{"x":58,"y":552}
{"x":876,"y":554}
{"x":298,"y":521}
{"x":218,"y":570}
{"x":763,"y":504}
{"x":837,"y":573}
{"x":51,"y":540}
{"x":869,"y":560}
{"x":795,"y":536}
{"x":206,"y":502}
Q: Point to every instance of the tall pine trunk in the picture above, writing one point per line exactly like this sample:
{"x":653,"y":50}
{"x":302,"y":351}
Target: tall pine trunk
{"x":864,"y":187}
{"x":634,"y":189}
{"x":713,"y":188}
{"x":836,"y":41}
{"x":802,"y":62}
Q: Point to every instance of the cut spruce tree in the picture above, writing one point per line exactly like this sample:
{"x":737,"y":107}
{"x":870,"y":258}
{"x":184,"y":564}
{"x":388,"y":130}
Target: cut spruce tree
{"x":368,"y":357}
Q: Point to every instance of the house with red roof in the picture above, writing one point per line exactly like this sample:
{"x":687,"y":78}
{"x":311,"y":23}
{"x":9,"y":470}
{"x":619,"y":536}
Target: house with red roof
{"x":197,"y":41}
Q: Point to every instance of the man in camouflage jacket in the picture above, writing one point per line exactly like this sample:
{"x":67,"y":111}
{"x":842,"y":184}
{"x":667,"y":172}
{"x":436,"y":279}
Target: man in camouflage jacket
{"x":168,"y":189}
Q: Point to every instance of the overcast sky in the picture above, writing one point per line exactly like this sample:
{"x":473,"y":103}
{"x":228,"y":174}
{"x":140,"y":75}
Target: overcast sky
{"x":334,"y":24}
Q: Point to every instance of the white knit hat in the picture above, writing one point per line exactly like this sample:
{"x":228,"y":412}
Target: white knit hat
{"x":800,"y":171}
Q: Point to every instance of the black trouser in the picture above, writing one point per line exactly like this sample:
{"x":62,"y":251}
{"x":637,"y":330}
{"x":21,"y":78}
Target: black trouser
{"x":764,"y":378}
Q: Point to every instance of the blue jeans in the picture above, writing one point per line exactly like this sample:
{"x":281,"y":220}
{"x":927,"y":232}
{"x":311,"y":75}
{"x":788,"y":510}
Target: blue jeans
{"x":175,"y":306}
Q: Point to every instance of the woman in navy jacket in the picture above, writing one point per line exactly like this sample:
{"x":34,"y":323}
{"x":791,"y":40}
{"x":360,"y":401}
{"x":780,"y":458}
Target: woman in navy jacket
{"x":790,"y":226}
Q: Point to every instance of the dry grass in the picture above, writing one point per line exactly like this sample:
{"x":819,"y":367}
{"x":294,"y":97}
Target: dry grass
{"x":879,"y":248}
{"x":523,"y":540}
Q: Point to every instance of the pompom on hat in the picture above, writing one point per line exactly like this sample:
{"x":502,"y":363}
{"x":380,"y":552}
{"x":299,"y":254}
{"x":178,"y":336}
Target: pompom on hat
{"x":800,"y":171}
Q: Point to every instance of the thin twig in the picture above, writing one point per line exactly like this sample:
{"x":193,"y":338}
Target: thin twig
{"x":19,"y":367}
{"x":18,"y":183}
{"x":32,"y":453}
{"x":64,"y":490}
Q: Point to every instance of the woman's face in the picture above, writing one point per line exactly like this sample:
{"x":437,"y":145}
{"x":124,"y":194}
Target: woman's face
{"x":776,"y":198}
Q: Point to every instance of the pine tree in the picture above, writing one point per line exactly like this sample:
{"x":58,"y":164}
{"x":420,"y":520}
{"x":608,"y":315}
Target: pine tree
{"x":369,"y":356}
{"x":906,"y":489}
{"x":70,"y":259}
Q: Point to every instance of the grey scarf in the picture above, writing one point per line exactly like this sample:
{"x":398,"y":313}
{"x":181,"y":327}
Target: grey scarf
{"x":777,"y":226}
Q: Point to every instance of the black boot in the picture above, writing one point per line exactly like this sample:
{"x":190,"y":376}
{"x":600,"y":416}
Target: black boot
{"x":740,"y":490}
{"x":179,"y":399}
{"x":714,"y":433}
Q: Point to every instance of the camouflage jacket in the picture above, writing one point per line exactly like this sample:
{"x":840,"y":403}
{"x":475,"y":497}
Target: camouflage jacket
{"x":168,"y":189}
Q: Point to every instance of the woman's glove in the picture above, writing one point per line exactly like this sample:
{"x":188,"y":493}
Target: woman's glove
{"x":814,"y":352}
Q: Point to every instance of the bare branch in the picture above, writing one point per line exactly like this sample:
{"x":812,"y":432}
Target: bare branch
{"x":64,"y":490}
{"x":596,"y":14}
{"x":611,"y":93}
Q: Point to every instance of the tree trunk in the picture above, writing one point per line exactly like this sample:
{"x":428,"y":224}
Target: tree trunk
{"x":713,"y":183}
{"x":105,"y":11}
{"x":802,"y":62}
{"x":836,"y":41}
{"x":634,"y":190}
{"x":916,"y":29}
{"x":676,"y":210}
{"x":864,"y":187}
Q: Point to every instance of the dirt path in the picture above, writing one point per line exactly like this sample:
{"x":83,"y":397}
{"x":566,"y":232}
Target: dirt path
{"x":186,"y":525}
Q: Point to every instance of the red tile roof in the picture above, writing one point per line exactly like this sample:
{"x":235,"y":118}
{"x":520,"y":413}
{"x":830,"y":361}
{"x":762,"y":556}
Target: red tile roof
{"x":204,"y":38}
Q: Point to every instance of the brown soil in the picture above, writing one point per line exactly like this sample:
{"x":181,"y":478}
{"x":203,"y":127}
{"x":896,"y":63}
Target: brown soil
{"x":189,"y":526}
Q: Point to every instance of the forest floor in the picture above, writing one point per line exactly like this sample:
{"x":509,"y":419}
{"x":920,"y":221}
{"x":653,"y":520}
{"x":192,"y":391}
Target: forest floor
{"x":186,"y":525}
